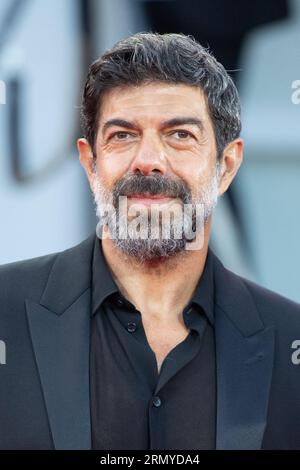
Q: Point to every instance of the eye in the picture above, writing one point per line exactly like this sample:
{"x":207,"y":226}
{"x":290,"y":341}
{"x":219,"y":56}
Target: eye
{"x":182,"y":134}
{"x":120,"y":135}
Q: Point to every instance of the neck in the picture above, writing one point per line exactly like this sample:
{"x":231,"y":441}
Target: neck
{"x":160,"y":288}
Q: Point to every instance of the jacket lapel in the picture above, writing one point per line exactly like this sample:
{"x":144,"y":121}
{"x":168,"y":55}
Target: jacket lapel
{"x":244,"y":356}
{"x":60,"y":331}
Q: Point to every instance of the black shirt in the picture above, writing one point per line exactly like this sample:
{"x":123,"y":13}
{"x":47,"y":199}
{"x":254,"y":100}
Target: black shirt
{"x":132,"y":405}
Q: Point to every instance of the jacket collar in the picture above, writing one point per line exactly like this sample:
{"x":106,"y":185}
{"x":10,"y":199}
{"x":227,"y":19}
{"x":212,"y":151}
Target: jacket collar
{"x":230,"y":291}
{"x":233,"y":297}
{"x":70,"y":276}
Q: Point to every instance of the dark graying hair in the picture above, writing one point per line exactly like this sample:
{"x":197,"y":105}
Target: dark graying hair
{"x":172,"y":58}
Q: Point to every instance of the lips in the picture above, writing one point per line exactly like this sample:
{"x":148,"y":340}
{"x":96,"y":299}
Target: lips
{"x":147,"y":198}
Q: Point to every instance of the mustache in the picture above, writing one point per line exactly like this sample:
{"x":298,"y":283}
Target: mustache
{"x":154,"y":185}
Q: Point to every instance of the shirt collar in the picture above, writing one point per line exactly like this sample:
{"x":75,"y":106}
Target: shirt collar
{"x":204,"y":292}
{"x":103,"y":284}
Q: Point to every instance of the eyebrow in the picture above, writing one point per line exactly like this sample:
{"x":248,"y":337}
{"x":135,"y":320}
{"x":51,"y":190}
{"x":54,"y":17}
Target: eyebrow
{"x":180,"y":121}
{"x":118,"y":122}
{"x":177,"y":121}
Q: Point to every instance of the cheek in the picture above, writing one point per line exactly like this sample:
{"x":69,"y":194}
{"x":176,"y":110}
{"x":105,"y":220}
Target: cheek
{"x":194,"y":173}
{"x":111,"y":169}
{"x":113,"y":161}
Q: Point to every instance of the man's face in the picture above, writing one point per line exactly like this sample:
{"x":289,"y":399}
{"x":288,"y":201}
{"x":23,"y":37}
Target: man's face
{"x":151,"y":143}
{"x":156,"y":145}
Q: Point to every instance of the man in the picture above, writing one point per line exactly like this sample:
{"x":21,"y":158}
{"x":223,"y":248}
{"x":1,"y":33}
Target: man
{"x":138,"y":341}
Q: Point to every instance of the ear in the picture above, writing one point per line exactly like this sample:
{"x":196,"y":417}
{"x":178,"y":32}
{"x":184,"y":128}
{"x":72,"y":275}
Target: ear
{"x":86,"y":159}
{"x":231,"y":161}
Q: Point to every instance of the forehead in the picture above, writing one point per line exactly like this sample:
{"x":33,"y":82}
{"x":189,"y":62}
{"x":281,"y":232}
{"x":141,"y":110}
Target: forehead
{"x":154,"y":101}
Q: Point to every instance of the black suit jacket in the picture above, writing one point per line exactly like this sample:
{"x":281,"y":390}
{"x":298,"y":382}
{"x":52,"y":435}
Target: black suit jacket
{"x":45,"y":325}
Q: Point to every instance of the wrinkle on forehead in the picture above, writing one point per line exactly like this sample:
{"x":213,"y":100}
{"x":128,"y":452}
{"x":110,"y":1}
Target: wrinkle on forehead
{"x":153,"y":100}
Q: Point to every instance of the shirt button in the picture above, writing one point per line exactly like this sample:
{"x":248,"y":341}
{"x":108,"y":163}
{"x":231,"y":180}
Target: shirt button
{"x":156,"y":401}
{"x":120,"y":301}
{"x":131,"y":327}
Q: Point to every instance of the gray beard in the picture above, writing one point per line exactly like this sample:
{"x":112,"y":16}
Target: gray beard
{"x":150,"y":249}
{"x":182,"y":231}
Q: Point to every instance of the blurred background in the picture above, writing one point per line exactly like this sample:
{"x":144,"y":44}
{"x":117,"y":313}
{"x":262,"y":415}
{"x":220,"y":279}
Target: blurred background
{"x":45,"y":49}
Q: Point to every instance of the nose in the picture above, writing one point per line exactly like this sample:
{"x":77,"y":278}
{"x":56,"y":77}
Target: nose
{"x":149,"y":157}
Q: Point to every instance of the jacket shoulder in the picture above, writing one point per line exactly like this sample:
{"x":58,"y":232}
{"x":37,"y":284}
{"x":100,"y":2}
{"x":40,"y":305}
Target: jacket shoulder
{"x":26,"y":277}
{"x":29,"y":277}
{"x":274,"y":307}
